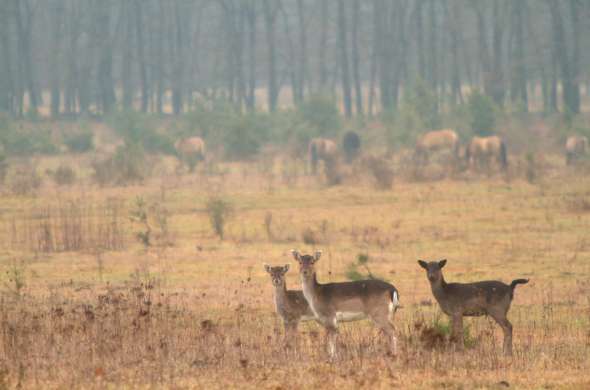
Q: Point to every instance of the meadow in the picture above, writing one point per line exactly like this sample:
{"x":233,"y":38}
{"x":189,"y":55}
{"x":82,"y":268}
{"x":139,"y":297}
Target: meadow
{"x":131,"y":287}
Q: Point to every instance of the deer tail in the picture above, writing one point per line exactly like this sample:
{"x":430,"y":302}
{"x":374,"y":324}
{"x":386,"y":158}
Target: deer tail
{"x":518,"y":281}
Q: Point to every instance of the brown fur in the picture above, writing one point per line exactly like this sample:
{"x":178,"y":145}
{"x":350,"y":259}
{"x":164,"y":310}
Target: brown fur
{"x":458,"y":300}
{"x":483,"y":151}
{"x":434,"y":141}
{"x":576,"y":147}
{"x":321,"y":149}
{"x":376,"y":299}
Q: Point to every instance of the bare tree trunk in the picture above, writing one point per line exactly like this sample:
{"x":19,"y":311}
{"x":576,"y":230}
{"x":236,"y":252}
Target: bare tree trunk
{"x":177,"y":89}
{"x":291,"y":67}
{"x":159,"y":51}
{"x":126,"y":80}
{"x":24,"y":24}
{"x":143,"y":79}
{"x":433,"y":47}
{"x":105,"y":64}
{"x":497,"y":82}
{"x":302,"y":55}
{"x":420,"y":39}
{"x":573,"y":100}
{"x":519,"y":78}
{"x":570,"y":97}
{"x":270,"y":16}
{"x":6,"y":75}
{"x":323,"y":44}
{"x":342,"y":43}
{"x":453,"y":20}
{"x":251,"y":21}
{"x":358,"y":90}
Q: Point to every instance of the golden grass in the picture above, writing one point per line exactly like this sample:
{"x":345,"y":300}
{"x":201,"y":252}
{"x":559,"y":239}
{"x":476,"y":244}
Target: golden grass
{"x":200,"y":312}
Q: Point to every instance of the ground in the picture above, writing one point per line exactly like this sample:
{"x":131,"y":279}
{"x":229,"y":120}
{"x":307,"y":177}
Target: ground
{"x":194,"y":311}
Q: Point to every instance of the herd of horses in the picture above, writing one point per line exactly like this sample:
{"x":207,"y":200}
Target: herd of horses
{"x":480,"y":153}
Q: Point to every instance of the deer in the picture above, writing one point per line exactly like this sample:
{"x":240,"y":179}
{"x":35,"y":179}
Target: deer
{"x":291,"y":305}
{"x":458,"y":300}
{"x":375,"y":299}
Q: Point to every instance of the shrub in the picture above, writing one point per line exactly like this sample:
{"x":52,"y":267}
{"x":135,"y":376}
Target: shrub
{"x":79,"y":142}
{"x":128,"y":165}
{"x":244,"y":135}
{"x":381,"y":171}
{"x":483,"y":113}
{"x":136,"y":129}
{"x":3,"y":168}
{"x":362,"y":261}
{"x":24,"y":180}
{"x":64,"y":175}
{"x":219,"y":211}
{"x":423,"y":101}
{"x":24,"y":141}
{"x":320,"y":115}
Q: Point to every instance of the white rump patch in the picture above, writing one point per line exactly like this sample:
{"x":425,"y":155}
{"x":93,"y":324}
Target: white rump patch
{"x":349,"y":316}
{"x":394,"y":302}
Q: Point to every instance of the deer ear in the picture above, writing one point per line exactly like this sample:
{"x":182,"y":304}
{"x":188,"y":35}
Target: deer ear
{"x":286,"y":268}
{"x":267,"y":267}
{"x":442,"y":263}
{"x":317,"y":256}
{"x":296,"y":255}
{"x":423,"y":264}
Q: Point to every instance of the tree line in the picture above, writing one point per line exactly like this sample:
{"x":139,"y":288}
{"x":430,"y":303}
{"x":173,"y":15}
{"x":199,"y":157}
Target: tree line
{"x":96,"y":56}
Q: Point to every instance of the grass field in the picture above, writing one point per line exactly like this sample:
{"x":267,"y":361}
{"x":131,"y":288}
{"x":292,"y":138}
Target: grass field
{"x":192,"y":310}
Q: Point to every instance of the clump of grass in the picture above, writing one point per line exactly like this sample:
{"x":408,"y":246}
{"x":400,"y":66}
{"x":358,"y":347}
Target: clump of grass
{"x":24,"y":180}
{"x":381,"y":170}
{"x":362,"y":261}
{"x":64,"y":175}
{"x":219,"y":211}
{"x":438,"y":334}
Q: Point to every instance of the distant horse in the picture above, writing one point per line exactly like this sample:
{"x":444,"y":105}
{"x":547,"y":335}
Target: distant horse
{"x":576,"y":146}
{"x":351,"y":146}
{"x":481,"y":151}
{"x":321,"y":149}
{"x":190,"y":151}
{"x":435,"y":141}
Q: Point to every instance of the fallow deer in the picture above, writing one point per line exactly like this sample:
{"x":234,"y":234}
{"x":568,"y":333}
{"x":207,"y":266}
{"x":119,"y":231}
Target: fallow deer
{"x":458,"y":300}
{"x":375,"y":299}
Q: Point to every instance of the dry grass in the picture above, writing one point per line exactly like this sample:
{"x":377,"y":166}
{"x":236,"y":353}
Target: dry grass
{"x":200,"y":313}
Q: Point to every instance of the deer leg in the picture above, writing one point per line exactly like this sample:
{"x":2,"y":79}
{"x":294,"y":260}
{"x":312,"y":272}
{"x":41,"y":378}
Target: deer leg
{"x":388,"y":329}
{"x":457,"y":330}
{"x":507,"y":329}
{"x":330,"y":324}
{"x":290,"y":331}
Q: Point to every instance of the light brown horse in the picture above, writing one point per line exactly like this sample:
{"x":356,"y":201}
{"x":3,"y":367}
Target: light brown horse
{"x":321,"y":149}
{"x":576,"y":147}
{"x":435,"y":141}
{"x":482,"y":151}
{"x":190,"y":151}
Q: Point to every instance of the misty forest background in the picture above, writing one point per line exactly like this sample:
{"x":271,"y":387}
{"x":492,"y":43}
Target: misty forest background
{"x":95,"y":56}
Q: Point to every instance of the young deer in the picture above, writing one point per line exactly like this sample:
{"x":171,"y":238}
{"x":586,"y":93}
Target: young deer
{"x":291,"y":305}
{"x":457,"y":300}
{"x":375,"y":299}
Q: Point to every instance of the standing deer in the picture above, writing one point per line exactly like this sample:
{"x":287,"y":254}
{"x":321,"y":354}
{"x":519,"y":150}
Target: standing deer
{"x":458,"y":300}
{"x":291,"y":305}
{"x":375,"y":299}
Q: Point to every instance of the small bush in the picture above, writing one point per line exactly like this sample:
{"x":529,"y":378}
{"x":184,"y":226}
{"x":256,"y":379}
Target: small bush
{"x":319,"y":116}
{"x":310,"y":236}
{"x":333,"y":170}
{"x":245,"y":135}
{"x":483,"y":114}
{"x":3,"y":168}
{"x":381,"y":171}
{"x":127,"y":166}
{"x":24,"y":180}
{"x":362,"y":261}
{"x":219,"y":211}
{"x":21,"y":141}
{"x":79,"y":142}
{"x":64,"y":175}
{"x":136,"y":129}
{"x":423,"y":101}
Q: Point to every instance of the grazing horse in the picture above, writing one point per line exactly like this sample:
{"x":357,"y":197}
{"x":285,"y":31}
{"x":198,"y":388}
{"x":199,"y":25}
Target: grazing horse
{"x":434,"y":141}
{"x":481,"y":151}
{"x":576,"y":146}
{"x":190,"y":151}
{"x":321,"y":149}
